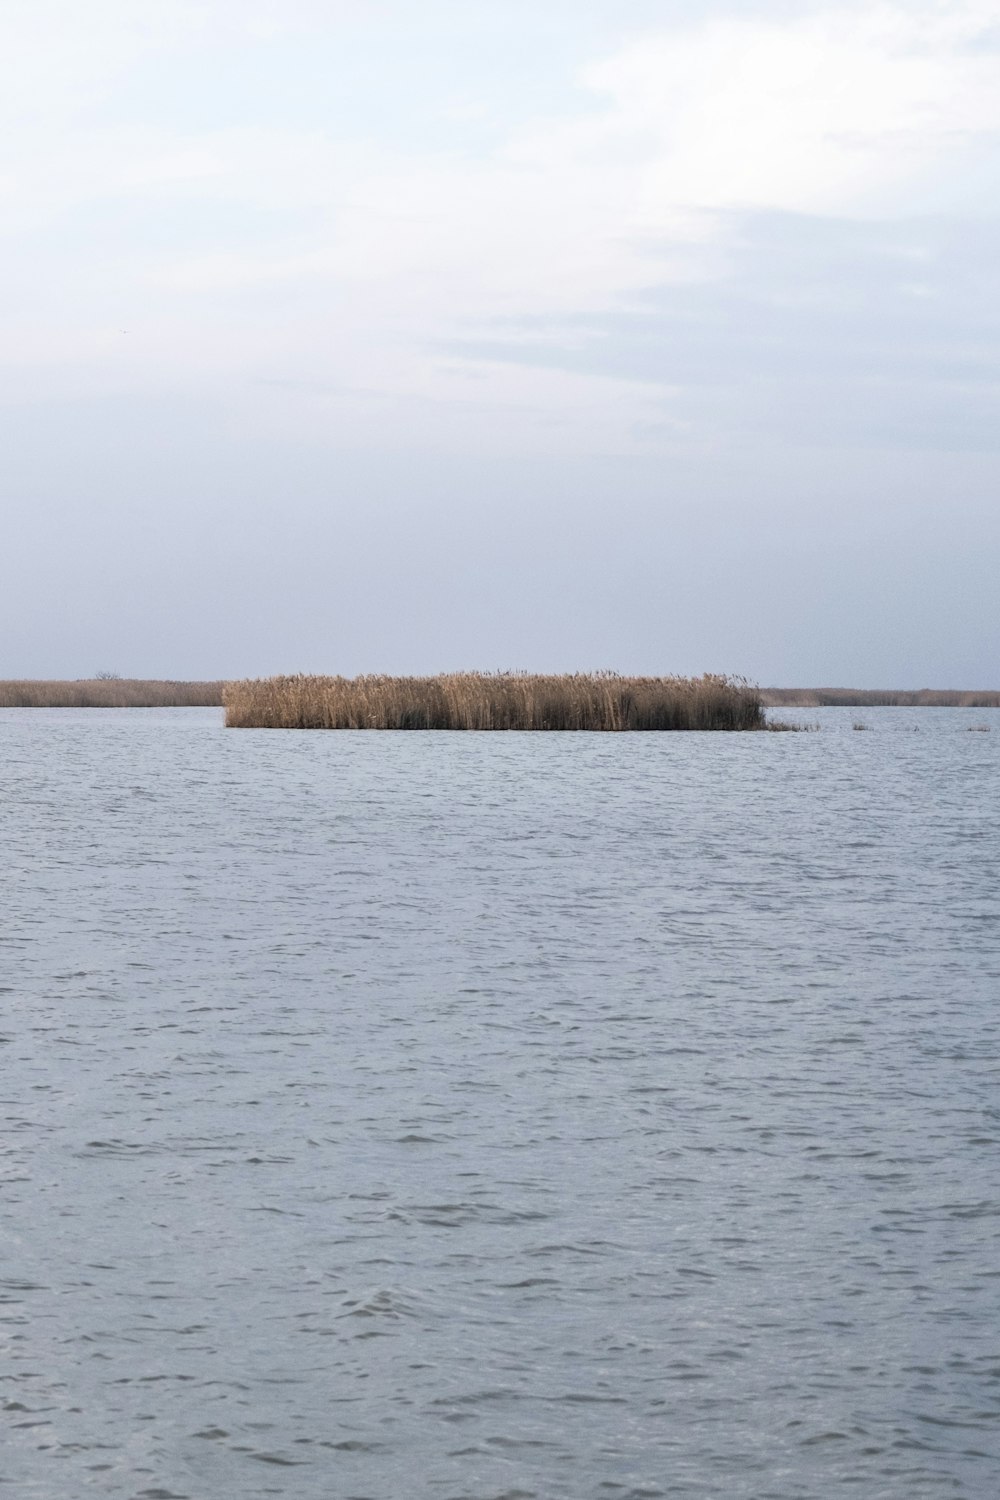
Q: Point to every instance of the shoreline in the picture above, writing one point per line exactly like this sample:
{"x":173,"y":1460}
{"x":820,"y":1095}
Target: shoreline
{"x":170,"y":693}
{"x":880,"y":698}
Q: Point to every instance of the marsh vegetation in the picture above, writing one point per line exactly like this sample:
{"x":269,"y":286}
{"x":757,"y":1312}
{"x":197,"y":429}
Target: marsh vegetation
{"x":108,"y":691}
{"x":879,"y":698}
{"x":495,"y":700}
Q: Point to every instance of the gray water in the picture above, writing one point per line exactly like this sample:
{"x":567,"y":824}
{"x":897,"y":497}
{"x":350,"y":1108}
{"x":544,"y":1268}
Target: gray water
{"x":478,"y":1116}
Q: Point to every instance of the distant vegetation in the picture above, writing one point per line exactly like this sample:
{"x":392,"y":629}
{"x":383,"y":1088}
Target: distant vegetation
{"x":877,"y":698}
{"x":477,"y":700}
{"x":495,"y":700}
{"x":109,"y":691}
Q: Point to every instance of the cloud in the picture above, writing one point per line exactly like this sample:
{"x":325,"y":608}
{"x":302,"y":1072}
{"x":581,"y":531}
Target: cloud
{"x":348,"y":251}
{"x":828,"y":332}
{"x":825,"y":114}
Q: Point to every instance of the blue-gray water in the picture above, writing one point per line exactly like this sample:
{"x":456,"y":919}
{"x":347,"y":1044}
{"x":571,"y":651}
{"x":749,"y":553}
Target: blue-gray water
{"x":478,"y":1116}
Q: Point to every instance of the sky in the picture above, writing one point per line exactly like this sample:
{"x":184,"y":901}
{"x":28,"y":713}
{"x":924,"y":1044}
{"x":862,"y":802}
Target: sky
{"x":359,"y":335}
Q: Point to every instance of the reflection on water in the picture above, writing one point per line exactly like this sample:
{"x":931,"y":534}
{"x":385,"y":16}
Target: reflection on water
{"x":470,"y":1116}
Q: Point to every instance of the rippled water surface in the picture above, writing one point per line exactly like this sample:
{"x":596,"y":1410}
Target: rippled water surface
{"x":475,"y":1116}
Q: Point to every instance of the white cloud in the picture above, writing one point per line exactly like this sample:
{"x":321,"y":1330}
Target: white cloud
{"x":844,"y":111}
{"x":827,"y":114}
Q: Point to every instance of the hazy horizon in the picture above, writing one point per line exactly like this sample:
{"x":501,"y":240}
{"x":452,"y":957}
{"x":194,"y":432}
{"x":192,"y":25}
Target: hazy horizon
{"x":654,"y":336}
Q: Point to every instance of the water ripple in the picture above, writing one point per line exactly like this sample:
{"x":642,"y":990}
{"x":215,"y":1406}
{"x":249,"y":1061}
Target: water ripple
{"x":485,"y":1117}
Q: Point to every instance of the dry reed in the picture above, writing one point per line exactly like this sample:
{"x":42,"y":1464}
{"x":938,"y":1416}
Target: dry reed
{"x":112,"y":692}
{"x":495,"y":700}
{"x":879,"y":698}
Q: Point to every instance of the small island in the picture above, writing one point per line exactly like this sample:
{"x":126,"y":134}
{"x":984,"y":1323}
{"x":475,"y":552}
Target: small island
{"x":603,"y":701}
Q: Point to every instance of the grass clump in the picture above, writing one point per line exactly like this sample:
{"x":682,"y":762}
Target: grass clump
{"x":109,"y":691}
{"x":495,"y":700}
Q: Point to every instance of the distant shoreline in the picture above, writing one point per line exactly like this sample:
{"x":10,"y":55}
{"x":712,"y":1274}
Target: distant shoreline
{"x":879,"y":698}
{"x":110,"y":692}
{"x":129,"y":692}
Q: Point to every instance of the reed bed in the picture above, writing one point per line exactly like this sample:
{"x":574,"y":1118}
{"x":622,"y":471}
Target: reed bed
{"x":115,"y":692}
{"x":495,"y":700}
{"x":879,"y":698}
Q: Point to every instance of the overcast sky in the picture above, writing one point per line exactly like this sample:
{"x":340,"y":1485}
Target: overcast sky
{"x":360,"y":335}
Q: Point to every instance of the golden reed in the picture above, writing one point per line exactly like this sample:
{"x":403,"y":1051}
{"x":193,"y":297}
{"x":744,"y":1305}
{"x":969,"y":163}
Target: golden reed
{"x":115,"y":692}
{"x":494,"y":700}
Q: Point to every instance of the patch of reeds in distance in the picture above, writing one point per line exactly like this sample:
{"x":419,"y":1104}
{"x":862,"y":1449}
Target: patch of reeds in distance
{"x":109,"y":692}
{"x":878,"y":698}
{"x":495,"y":700}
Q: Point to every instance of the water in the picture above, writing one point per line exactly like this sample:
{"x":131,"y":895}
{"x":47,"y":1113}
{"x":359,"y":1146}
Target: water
{"x":478,"y":1116}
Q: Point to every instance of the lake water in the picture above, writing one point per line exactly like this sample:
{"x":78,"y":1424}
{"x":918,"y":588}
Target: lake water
{"x":388,"y":1117}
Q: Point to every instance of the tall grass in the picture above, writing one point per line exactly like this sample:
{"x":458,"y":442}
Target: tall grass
{"x":879,"y":698}
{"x":114,"y":692}
{"x":494,"y":700}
